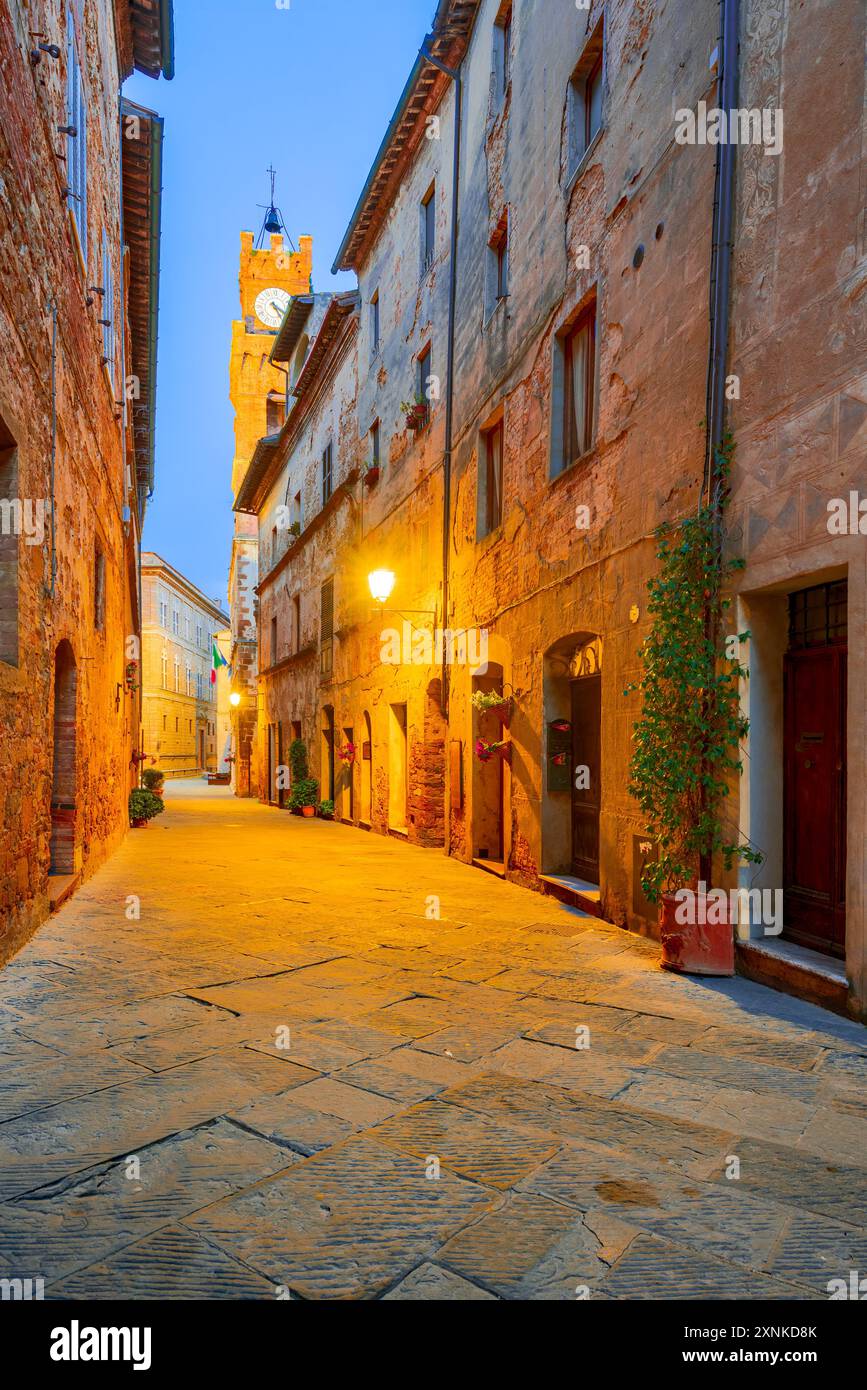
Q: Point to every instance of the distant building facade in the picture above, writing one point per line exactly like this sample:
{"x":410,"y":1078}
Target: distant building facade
{"x":258,"y":392}
{"x":180,"y":706}
{"x":80,"y":180}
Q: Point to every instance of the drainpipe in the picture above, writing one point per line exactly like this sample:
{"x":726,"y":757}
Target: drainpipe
{"x":457,"y":78}
{"x":720,"y":297}
{"x":52,"y":310}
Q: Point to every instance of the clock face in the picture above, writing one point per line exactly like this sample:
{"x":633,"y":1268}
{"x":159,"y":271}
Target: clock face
{"x":271,"y":305}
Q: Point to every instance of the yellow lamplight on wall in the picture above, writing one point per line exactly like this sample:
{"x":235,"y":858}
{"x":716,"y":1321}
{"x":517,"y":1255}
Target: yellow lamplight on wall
{"x":234,"y":699}
{"x":381,"y":585}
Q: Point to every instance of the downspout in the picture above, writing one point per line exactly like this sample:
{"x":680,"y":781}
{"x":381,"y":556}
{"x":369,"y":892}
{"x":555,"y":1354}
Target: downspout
{"x":720,"y":303}
{"x":52,"y":309}
{"x":456,"y":75}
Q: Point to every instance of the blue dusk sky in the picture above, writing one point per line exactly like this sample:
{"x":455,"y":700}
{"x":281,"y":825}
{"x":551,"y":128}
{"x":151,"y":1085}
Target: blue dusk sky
{"x":309,"y":89}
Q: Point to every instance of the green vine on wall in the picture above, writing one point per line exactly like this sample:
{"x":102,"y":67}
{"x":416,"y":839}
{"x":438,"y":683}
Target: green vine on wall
{"x":687,"y":738}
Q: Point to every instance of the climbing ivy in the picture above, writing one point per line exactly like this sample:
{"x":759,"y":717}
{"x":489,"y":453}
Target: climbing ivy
{"x":686,"y":740}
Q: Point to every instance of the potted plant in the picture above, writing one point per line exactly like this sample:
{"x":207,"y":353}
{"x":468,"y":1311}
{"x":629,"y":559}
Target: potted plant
{"x":153,"y":780}
{"x":416,"y":412}
{"x":687,"y":737}
{"x":303,"y":797}
{"x":326,"y":810}
{"x":143,"y":806}
{"x":485,"y":749}
{"x":487,"y":700}
{"x":295,"y":529}
{"x":371,"y":473}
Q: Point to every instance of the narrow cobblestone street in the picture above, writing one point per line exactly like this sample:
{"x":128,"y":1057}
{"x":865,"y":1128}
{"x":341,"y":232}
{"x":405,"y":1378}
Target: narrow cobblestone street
{"x":286,"y":1079}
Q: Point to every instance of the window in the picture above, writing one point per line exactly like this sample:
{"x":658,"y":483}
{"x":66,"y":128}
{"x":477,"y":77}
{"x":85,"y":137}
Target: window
{"x":498,"y":264}
{"x":176,"y":622}
{"x":274,"y":641}
{"x":189,"y":681}
{"x":428,"y":228}
{"x":326,"y":626}
{"x":579,"y":373}
{"x":198,"y":634}
{"x":375,"y":443}
{"x":327,"y":478}
{"x":165,"y":662}
{"x":273,"y":546}
{"x":177,"y":676}
{"x":296,"y":510}
{"x":98,"y":588}
{"x":107,"y":316}
{"x":76,"y":145}
{"x":374,"y":324}
{"x":275,"y":413}
{"x":296,"y":623}
{"x":177,"y":724}
{"x":491,"y":490}
{"x":586,"y":91}
{"x":503,"y":50}
{"x":423,"y":374}
{"x":10,"y":509}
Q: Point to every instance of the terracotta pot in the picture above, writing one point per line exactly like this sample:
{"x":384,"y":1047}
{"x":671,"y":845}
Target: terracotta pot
{"x":699,"y":947}
{"x":308,"y":811}
{"x":504,"y":712}
{"x":139,"y":824}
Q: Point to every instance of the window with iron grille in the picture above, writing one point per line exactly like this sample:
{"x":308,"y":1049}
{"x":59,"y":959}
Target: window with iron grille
{"x":327,"y":473}
{"x":819,"y":616}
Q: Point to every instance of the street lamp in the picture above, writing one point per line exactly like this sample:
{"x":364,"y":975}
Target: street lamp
{"x":381,"y":585}
{"x":234,"y":699}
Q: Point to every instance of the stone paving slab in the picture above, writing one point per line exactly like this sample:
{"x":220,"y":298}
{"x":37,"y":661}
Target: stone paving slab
{"x":347,"y":1223}
{"x":531,"y":1248}
{"x":653,"y":1268}
{"x":75,"y":1222}
{"x":171,"y":1264}
{"x":470,"y":1145}
{"x":432,"y":1283}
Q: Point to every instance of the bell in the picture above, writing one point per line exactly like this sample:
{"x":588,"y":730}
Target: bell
{"x":272,"y":221}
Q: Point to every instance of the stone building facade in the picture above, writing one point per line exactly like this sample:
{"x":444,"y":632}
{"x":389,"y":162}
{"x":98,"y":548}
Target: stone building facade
{"x":267,"y":277}
{"x":518,"y":513}
{"x":180,"y":707}
{"x":79,"y":251}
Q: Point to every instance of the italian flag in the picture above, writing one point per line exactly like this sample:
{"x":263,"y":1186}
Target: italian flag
{"x":219,"y":660}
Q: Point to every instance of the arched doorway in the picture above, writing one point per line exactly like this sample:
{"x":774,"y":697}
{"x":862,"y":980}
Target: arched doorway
{"x":64,"y":774}
{"x":573,"y":757}
{"x":366,"y":806}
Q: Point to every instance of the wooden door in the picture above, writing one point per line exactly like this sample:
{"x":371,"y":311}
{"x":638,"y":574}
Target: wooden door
{"x":586,"y":753}
{"x":815,"y":798}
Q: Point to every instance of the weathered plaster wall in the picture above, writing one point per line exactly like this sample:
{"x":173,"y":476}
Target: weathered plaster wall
{"x":40,"y":263}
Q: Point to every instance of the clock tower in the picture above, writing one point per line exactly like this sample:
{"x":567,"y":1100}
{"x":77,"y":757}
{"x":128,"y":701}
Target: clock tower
{"x":268,"y":280}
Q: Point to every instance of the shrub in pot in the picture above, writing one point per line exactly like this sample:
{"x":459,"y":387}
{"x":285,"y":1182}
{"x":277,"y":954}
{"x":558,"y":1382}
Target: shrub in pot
{"x":303,"y":796}
{"x":153,"y":780}
{"x":143,"y":806}
{"x":687,"y":737}
{"x":326,"y":810}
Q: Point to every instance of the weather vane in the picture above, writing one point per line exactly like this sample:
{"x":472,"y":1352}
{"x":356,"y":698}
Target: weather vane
{"x":273,"y":222}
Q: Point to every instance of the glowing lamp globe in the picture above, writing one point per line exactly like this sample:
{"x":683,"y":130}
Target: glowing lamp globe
{"x":381,"y":585}
{"x":234,"y":699}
